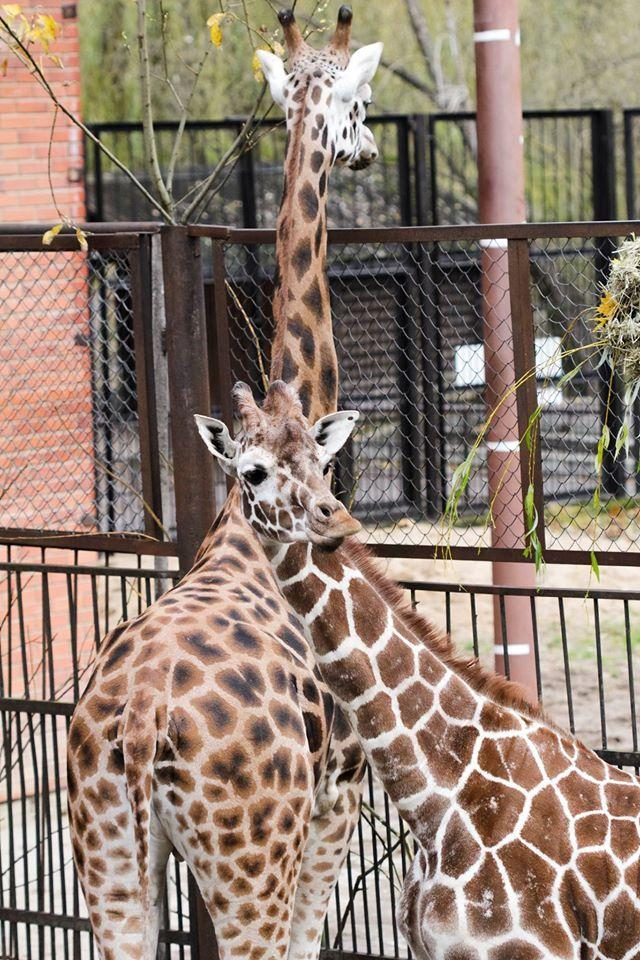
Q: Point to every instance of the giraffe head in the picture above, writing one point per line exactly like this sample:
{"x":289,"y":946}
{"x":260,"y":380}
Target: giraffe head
{"x":282,"y":465}
{"x":331,"y":85}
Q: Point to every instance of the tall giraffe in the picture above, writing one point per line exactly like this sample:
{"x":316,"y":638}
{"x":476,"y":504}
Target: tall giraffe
{"x":528,"y":843}
{"x":205,"y":728}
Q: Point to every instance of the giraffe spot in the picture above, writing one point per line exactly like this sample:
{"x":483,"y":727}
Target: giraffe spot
{"x":308,"y":201}
{"x":276,"y":771}
{"x":293,"y":640}
{"x":599,"y":872}
{"x":185,"y":676}
{"x":247,"y":913}
{"x":230,"y":842}
{"x":314,"y":731}
{"x":533,"y":881}
{"x":459,"y":849}
{"x":319,"y":238}
{"x":349,"y":677}
{"x":395,"y":662}
{"x":580,"y":794}
{"x":623,"y":838}
{"x":117,"y":655}
{"x":307,"y":346}
{"x":243,"y":546}
{"x":246,"y":638}
{"x":375,"y":717}
{"x":397,"y":767}
{"x":260,"y":817}
{"x":313,"y":298}
{"x":287,"y":722}
{"x":301,"y":258}
{"x":440,"y":910}
{"x":177,"y":777}
{"x":622,"y":799}
{"x":516,"y":948}
{"x":252,"y":864}
{"x":461,"y":953}
{"x":198,"y":645}
{"x":316,"y":92}
{"x":430,"y":668}
{"x":244,"y":682}
{"x":328,"y":630}
{"x":546,"y":826}
{"x":230,"y":767}
{"x":240,"y":887}
{"x":259,"y":732}
{"x":457,"y":700}
{"x":493,"y":808}
{"x":198,"y":812}
{"x":219,"y":901}
{"x":369,"y":612}
{"x":278,"y":852}
{"x":220,"y":716}
{"x":322,"y":184}
{"x":316,"y":160}
{"x":620,"y":935}
{"x":301,"y":776}
{"x":591,"y":831}
{"x":488,"y":912}
{"x":328,"y":379}
{"x":310,"y":690}
{"x":449,"y":748}
{"x":84,"y":746}
{"x":414,"y":703}
{"x":549,"y":748}
{"x":289,"y":367}
{"x":185,"y":734}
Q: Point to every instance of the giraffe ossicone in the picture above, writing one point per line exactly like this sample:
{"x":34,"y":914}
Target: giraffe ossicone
{"x":528,"y":842}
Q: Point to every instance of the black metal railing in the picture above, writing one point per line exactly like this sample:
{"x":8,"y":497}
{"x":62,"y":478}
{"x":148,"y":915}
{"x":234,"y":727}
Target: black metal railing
{"x":426,"y":173}
{"x":54,"y":616}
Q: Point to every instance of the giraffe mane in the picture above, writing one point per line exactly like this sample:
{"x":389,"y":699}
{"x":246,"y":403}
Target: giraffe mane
{"x":503,"y":692}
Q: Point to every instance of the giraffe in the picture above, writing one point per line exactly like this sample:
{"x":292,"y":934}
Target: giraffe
{"x":528,"y":843}
{"x":205,"y":728}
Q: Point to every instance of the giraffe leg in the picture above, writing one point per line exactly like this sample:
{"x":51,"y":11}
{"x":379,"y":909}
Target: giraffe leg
{"x":334,"y":819}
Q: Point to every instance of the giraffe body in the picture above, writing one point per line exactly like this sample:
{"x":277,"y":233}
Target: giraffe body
{"x":205,"y":727}
{"x":529,"y":844}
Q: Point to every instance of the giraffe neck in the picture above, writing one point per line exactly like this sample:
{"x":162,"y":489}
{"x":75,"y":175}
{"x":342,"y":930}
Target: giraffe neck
{"x":303,"y":352}
{"x":417,"y":715}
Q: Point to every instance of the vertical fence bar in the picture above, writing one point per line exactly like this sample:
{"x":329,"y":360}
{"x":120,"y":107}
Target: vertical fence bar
{"x":629,"y":162}
{"x":140,"y":264}
{"x":421,"y":177}
{"x":404,"y":170}
{"x":524,"y":361}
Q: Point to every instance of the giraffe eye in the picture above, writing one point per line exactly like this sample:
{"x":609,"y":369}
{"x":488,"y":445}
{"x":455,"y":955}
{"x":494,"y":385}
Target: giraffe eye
{"x":255,"y":476}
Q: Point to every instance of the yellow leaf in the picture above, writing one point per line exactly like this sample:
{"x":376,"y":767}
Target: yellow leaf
{"x":50,"y":235}
{"x":82,"y":239}
{"x":256,"y":66}
{"x":215,"y":28}
{"x":12,"y":10}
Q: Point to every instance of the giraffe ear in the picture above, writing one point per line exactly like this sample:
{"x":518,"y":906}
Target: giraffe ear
{"x":360,"y":70}
{"x":218,"y":440}
{"x":274,"y":74}
{"x":333,"y":431}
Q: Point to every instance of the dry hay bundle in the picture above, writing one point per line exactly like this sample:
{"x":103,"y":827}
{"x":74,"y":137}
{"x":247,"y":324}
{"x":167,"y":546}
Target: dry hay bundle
{"x":618,"y":313}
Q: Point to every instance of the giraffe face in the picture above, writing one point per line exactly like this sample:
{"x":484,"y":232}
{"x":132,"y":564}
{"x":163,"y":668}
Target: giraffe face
{"x":335,"y":96}
{"x":282,"y":466}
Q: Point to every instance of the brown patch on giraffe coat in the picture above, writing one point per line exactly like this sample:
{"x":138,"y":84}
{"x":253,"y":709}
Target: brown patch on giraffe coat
{"x":461,"y":953}
{"x":553,"y":759}
{"x":488,"y":911}
{"x":220,"y":715}
{"x":622,"y":799}
{"x":231,"y":767}
{"x":369,"y":612}
{"x":289,"y":366}
{"x":349,"y":677}
{"x":449,"y":749}
{"x":580,"y":794}
{"x":186,"y":676}
{"x":591,"y":831}
{"x":184,"y":734}
{"x":620,"y":935}
{"x":519,"y":949}
{"x":440,"y":913}
{"x":397,"y":767}
{"x":301,"y":257}
{"x":599,"y":871}
{"x":328,"y":373}
{"x":414,"y":703}
{"x":375,"y":717}
{"x":623,"y":837}
{"x":327,"y":632}
{"x":430,"y":668}
{"x":197,"y":644}
{"x":459,"y":849}
{"x":493,"y":808}
{"x":308,"y":201}
{"x":396,"y":662}
{"x":545,"y":828}
{"x":313,"y":298}
{"x":457,"y":700}
{"x":532,"y":878}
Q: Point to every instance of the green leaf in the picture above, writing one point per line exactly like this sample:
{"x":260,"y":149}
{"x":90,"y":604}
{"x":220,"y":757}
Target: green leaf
{"x":622,"y":440}
{"x":595,"y":566}
{"x":603,"y":444}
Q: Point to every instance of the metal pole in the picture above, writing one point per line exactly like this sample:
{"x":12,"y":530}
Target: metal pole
{"x":501,"y":200}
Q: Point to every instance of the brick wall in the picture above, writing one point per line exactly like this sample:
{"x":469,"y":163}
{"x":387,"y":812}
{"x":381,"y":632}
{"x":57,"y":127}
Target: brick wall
{"x":46,"y":444}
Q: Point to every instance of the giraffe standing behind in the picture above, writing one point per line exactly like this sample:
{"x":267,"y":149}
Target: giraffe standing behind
{"x":205,"y":728}
{"x":529,"y":844}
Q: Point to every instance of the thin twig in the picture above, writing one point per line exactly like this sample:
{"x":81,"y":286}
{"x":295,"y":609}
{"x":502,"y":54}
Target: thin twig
{"x":148,"y":132}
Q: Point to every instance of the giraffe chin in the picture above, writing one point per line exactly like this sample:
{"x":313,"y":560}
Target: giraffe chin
{"x":333,"y":537}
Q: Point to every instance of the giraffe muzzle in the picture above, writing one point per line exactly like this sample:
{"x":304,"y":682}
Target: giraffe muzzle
{"x":332,"y":523}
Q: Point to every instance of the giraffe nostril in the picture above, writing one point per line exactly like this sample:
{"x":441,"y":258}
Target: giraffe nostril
{"x":325,"y":510}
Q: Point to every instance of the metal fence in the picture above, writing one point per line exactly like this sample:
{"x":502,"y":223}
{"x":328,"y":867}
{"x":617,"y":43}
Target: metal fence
{"x":55,"y":613}
{"x":103,"y":381}
{"x":426,"y":173}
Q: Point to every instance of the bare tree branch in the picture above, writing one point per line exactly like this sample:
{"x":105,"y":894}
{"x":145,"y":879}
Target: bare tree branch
{"x":148,"y":132}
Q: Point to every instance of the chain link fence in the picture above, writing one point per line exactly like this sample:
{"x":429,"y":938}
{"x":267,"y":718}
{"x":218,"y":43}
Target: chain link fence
{"x":410,"y":319}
